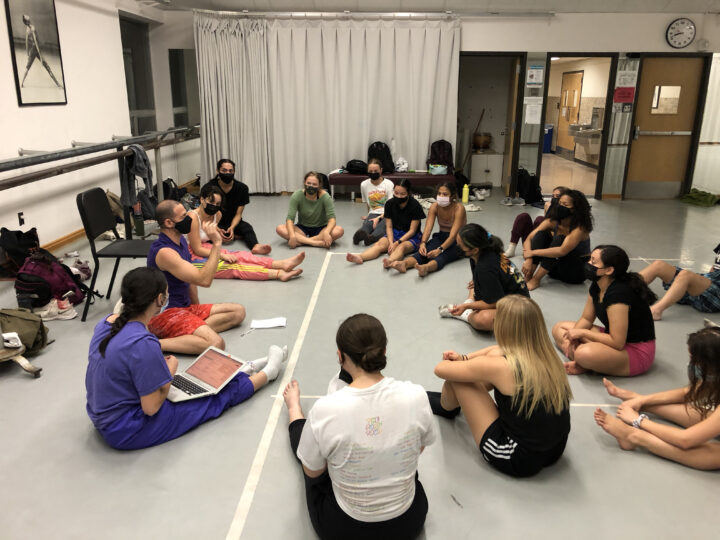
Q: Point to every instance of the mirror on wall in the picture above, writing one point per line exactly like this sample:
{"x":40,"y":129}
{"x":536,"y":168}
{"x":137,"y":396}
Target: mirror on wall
{"x":184,"y":87}
{"x":665,"y":100}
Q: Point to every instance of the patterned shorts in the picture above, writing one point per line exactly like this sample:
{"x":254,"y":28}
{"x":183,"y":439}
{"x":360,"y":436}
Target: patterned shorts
{"x":707,"y":301}
{"x":180,"y":321}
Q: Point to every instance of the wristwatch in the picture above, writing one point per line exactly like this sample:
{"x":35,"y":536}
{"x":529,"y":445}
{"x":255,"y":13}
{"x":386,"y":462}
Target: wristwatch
{"x":441,"y":249}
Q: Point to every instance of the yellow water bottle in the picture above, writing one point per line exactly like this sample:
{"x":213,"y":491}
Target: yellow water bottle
{"x":466,"y":194}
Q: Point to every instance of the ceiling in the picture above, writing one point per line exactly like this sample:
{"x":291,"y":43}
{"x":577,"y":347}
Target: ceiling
{"x":460,"y":7}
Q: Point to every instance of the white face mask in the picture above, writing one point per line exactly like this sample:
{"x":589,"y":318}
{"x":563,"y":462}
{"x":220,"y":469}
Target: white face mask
{"x":443,"y":201}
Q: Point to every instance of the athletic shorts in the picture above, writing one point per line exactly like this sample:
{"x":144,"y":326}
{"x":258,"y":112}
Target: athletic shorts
{"x":179,"y":321}
{"x":310,"y":231}
{"x":513,"y":459}
{"x":415,"y":240}
{"x":707,"y":301}
{"x":641,"y":355}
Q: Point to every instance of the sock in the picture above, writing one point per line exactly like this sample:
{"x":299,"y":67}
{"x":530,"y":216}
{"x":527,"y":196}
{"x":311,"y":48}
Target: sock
{"x":464,"y":316}
{"x":255,"y":366}
{"x":510,"y":251}
{"x":437,"y":409}
{"x":276,"y":356}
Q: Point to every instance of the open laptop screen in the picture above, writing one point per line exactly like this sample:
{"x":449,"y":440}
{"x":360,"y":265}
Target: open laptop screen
{"x":213,"y":368}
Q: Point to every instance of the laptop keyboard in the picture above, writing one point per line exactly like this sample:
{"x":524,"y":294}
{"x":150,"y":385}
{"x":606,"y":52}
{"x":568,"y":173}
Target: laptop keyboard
{"x":187,"y":386}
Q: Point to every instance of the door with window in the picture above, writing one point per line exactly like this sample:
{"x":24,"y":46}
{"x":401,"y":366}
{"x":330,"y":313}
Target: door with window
{"x":570,"y":93}
{"x":666,"y":106}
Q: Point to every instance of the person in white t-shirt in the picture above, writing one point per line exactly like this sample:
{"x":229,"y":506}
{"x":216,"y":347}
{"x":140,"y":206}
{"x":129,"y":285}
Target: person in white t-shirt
{"x":360,"y":445}
{"x":376,"y":191}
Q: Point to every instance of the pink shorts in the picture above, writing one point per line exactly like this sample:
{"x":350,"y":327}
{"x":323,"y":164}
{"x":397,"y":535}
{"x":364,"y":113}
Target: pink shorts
{"x":175,"y":322}
{"x":641,"y":355}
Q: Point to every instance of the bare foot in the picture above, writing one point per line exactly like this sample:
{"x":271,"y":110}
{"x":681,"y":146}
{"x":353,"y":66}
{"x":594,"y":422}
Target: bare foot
{"x":292,"y":262}
{"x":354,"y":258}
{"x":619,"y":393}
{"x":422,"y":270}
{"x":261,"y":249}
{"x":656,"y":313}
{"x":573,"y":368}
{"x":399,"y":266}
{"x":532,"y":284}
{"x":615,"y":427}
{"x":387,"y":263}
{"x":291,"y":395}
{"x":287,"y":276}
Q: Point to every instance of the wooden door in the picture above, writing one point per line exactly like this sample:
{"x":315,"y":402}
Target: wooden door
{"x":570,"y":92}
{"x":666,"y":104}
{"x":508,"y":151}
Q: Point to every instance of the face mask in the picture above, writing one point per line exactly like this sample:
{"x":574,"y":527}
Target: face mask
{"x":564,"y":212}
{"x":311,"y":190}
{"x":211,"y":209}
{"x":226,"y":177}
{"x":183,"y":227}
{"x":374,"y":175}
{"x":402,"y":200}
{"x":591,"y":272}
{"x":165,"y":305}
{"x":443,"y":201}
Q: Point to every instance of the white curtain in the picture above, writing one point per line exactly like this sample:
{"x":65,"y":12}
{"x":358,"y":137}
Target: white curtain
{"x":232,"y":65}
{"x":338,"y":85}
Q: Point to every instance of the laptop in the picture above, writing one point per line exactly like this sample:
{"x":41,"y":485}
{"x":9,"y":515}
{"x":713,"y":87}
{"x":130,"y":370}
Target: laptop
{"x":206,"y":376}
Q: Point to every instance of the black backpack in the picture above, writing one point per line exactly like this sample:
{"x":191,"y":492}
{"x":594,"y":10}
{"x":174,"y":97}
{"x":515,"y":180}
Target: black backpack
{"x":15,"y":247}
{"x":380,"y":151}
{"x":528,"y":187}
{"x":441,"y":154}
{"x":356,"y":166}
{"x":324,"y":181}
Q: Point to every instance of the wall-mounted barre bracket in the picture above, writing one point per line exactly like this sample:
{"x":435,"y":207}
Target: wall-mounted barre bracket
{"x":26,"y":152}
{"x":75,"y":144}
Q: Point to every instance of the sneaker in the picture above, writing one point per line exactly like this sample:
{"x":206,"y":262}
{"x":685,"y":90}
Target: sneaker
{"x":485,"y":192}
{"x":518,"y":201}
{"x":507,"y":201}
{"x":51,"y":312}
{"x":479,"y":194}
{"x":359,"y":236}
{"x":444,"y":310}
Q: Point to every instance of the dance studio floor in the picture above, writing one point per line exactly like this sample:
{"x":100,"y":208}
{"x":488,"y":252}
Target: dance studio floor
{"x":235,"y":477}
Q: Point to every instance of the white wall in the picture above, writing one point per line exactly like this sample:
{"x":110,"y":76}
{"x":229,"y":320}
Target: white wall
{"x":595,"y":76}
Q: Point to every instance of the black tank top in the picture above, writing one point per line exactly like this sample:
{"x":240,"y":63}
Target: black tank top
{"x":542,"y":431}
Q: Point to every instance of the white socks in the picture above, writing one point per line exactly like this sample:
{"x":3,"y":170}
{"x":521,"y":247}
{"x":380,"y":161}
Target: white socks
{"x":510,"y":251}
{"x":276,"y":356}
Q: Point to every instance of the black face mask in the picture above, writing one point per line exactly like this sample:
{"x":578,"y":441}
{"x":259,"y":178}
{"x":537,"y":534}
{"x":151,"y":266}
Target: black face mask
{"x":311,"y":190}
{"x":183,"y":227}
{"x":226,"y":177}
{"x":591,"y":272}
{"x":402,"y":200}
{"x":211,"y":209}
{"x":374,"y":175}
{"x":563,"y":212}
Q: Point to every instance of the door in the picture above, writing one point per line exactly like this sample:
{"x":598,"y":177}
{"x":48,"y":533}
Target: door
{"x":509,"y":150}
{"x":665,"y":112}
{"x":570,"y":92}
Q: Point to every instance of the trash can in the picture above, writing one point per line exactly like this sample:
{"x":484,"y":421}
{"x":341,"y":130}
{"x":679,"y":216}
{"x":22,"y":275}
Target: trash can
{"x":547,"y":140}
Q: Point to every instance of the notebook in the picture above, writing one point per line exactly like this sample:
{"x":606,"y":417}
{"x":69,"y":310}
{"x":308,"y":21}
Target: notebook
{"x":206,"y":376}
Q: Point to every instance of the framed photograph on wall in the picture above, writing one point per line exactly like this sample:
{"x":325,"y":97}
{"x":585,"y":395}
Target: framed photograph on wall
{"x":35,"y":52}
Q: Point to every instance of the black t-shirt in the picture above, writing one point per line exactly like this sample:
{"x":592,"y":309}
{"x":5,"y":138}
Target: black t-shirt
{"x":238,"y":196}
{"x":402,"y":217}
{"x":641,"y":326}
{"x":495,"y":276}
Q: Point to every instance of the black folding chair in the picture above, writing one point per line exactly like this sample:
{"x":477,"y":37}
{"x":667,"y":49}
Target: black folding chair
{"x":97,"y":218}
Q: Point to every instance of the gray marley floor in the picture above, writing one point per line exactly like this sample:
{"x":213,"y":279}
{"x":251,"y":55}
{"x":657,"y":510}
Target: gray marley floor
{"x":59,"y":480}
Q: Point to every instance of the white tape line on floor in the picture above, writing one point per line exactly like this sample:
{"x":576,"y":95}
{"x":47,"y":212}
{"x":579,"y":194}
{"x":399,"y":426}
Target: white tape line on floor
{"x":248,"y":493}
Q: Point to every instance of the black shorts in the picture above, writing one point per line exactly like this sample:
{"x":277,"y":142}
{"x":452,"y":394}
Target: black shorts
{"x":513,"y":459}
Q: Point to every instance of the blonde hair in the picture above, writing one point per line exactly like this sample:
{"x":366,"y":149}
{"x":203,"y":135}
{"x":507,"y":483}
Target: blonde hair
{"x":537,"y":370}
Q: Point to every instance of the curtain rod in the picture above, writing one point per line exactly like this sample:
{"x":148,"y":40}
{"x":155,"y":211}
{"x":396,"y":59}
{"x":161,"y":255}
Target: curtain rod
{"x":377,"y":14}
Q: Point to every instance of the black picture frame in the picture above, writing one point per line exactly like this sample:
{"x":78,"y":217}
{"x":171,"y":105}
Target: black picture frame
{"x":35,"y":52}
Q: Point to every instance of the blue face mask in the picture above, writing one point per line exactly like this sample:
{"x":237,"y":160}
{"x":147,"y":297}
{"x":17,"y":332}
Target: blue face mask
{"x":697,"y":371}
{"x":165,"y":305}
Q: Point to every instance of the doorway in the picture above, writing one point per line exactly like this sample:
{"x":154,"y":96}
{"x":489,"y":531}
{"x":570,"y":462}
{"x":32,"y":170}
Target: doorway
{"x":577,"y":98}
{"x":489,"y":105}
{"x":666,"y":121}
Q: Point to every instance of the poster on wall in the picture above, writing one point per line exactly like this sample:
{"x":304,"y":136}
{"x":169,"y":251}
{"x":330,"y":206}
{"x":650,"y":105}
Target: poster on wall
{"x":535,"y":75}
{"x":35,"y":52}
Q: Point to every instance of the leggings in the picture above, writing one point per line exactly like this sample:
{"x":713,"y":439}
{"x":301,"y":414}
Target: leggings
{"x":449,"y":255}
{"x":248,"y":266}
{"x":138,"y":430}
{"x":523,"y":226}
{"x":377,"y":233}
{"x":568,"y":269}
{"x":331,"y":522}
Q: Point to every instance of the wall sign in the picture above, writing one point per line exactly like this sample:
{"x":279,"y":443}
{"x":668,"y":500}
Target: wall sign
{"x":535,"y":76}
{"x":624,"y":95}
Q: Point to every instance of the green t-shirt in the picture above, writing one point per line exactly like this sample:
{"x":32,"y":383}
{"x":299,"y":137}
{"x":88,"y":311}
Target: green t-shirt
{"x":314,"y":213}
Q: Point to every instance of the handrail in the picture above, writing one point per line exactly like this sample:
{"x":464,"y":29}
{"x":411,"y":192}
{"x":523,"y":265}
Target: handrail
{"x":19,"y":163}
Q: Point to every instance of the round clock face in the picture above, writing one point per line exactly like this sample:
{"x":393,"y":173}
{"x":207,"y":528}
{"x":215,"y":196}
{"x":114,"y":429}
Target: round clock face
{"x":680,"y":33}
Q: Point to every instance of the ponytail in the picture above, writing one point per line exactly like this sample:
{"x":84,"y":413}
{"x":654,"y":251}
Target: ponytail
{"x":617,"y":258}
{"x":475,"y":236}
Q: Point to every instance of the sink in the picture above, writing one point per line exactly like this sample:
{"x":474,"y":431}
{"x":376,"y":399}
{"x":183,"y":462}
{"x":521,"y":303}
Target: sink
{"x":588,"y":133}
{"x":576,"y":128}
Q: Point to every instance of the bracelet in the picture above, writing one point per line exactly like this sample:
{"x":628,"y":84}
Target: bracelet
{"x":636,"y":423}
{"x":441,"y":249}
{"x":465,"y":357}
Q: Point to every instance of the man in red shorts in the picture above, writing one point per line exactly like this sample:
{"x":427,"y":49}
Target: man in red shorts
{"x":187,"y":326}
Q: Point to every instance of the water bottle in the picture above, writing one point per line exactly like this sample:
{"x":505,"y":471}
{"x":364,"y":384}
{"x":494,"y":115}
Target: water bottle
{"x":138,"y":221}
{"x":466,"y":193}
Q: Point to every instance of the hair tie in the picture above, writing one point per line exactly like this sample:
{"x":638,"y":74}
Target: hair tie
{"x":489,"y":236}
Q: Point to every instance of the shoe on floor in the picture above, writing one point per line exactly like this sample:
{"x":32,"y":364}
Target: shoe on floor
{"x":444,"y":310}
{"x":479,"y":194}
{"x":359,"y":236}
{"x":507,"y":201}
{"x":518,"y":201}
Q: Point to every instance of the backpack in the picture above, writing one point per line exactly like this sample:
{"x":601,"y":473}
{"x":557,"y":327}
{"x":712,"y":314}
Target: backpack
{"x":42,"y":272}
{"x":115,"y":206}
{"x":324,"y":181}
{"x":147,"y":204}
{"x":441,"y":154}
{"x":15,"y":247}
{"x":379,"y":150}
{"x":460,"y":181}
{"x":356,"y":166}
{"x":29,"y":326}
{"x":528,"y":187}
